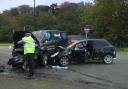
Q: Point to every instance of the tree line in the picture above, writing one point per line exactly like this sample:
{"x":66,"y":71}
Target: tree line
{"x":107,"y":18}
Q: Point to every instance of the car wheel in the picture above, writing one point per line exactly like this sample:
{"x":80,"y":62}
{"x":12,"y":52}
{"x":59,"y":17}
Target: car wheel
{"x":108,"y":59}
{"x":45,"y":59}
{"x":64,"y":61}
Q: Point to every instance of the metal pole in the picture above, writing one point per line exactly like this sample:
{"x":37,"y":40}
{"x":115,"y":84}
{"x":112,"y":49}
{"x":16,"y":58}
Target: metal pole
{"x":34,"y":8}
{"x":86,"y":35}
{"x":34,"y":15}
{"x":24,"y":28}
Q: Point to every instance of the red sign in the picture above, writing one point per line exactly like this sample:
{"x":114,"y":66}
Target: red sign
{"x":87,"y":28}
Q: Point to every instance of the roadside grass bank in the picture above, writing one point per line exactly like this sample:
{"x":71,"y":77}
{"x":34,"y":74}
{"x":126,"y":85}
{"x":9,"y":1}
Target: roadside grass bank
{"x":6,"y":44}
{"x":122,"y":49}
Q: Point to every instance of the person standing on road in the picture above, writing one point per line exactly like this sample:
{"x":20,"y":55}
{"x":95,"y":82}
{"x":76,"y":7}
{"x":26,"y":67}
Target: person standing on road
{"x":29,"y":50}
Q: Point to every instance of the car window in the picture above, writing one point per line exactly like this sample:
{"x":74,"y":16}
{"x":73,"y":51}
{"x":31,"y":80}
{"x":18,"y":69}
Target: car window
{"x":64,"y":35}
{"x":101,"y":43}
{"x":57,"y":35}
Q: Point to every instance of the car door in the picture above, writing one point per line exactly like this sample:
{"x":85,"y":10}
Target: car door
{"x":90,"y":49}
{"x":97,"y":49}
{"x":79,"y":51}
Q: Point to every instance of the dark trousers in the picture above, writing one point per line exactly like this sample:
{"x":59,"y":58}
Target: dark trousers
{"x":30,"y":60}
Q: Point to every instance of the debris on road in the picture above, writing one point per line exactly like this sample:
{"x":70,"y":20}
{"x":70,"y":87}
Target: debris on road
{"x":59,"y":67}
{"x":2,"y":68}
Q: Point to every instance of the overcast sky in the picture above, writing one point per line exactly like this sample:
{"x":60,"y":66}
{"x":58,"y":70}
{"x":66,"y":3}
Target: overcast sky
{"x":8,"y":4}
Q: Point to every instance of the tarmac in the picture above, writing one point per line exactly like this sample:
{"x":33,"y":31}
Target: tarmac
{"x":16,"y":82}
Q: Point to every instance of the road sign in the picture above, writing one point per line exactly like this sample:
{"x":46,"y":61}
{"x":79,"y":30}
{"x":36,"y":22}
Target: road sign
{"x":87,"y":28}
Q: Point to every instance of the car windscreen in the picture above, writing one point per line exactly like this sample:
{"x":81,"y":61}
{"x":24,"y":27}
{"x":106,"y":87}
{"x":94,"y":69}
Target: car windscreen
{"x":58,"y":35}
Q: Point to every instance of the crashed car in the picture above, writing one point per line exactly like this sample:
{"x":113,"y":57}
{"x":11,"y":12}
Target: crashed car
{"x":51,"y":45}
{"x":89,"y":50}
{"x":43,"y":49}
{"x":17,"y":59}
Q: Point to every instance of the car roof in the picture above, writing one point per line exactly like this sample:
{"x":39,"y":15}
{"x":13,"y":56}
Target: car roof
{"x":90,"y":40}
{"x":48,"y":30}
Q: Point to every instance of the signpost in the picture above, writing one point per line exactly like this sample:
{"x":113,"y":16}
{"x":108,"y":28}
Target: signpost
{"x":87,"y":29}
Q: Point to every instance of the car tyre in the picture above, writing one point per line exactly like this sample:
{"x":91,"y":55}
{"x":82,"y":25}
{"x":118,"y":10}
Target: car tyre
{"x":45,"y":58}
{"x":64,"y":61}
{"x":108,"y":59}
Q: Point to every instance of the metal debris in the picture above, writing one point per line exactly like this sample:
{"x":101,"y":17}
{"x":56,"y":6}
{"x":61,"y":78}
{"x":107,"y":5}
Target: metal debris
{"x":2,"y":68}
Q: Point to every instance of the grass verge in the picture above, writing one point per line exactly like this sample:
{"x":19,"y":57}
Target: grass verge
{"x":122,"y":49}
{"x":6,"y":44}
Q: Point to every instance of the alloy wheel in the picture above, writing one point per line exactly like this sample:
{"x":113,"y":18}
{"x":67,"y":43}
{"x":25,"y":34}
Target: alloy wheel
{"x":108,"y":59}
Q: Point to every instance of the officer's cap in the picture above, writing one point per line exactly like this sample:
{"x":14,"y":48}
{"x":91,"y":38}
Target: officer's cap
{"x":28,"y":34}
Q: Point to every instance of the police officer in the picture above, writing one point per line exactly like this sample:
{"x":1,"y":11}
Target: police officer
{"x":29,"y":50}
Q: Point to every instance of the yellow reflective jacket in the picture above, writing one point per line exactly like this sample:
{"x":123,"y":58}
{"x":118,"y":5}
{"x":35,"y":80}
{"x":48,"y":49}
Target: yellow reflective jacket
{"x":29,"y":44}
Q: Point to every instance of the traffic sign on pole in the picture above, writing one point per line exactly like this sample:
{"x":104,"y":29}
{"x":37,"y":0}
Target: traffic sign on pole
{"x":87,"y":29}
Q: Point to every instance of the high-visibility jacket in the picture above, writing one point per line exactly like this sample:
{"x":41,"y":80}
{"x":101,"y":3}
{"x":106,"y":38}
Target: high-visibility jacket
{"x":29,"y":44}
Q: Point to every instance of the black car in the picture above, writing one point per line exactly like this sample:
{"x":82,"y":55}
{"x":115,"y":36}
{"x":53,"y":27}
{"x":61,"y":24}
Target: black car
{"x":49,"y":49}
{"x":43,"y":50}
{"x":88,"y":50}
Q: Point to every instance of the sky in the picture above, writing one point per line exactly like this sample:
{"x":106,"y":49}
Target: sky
{"x":8,"y":4}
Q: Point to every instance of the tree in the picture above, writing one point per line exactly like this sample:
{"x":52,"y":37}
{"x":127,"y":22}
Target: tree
{"x":68,"y":17}
{"x":41,"y":8}
{"x":25,"y":9}
{"x":108,"y":19}
{"x":26,"y":20}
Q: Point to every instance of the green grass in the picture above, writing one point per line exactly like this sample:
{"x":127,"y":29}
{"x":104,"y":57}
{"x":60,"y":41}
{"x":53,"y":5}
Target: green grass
{"x":6,"y":44}
{"x":122,"y":49}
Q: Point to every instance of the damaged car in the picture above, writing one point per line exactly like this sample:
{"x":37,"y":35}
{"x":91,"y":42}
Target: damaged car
{"x":43,"y":49}
{"x":88,"y":50}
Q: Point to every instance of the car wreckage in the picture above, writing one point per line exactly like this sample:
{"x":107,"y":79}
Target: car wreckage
{"x":56,"y":51}
{"x":43,"y":50}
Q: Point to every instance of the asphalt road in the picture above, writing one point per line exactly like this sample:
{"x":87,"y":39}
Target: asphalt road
{"x":84,"y":76}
